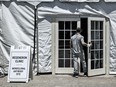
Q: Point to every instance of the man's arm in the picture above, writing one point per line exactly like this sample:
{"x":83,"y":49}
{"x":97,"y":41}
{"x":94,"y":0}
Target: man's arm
{"x":85,"y":44}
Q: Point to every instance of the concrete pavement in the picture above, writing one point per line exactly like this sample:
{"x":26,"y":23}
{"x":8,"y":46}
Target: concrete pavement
{"x":63,"y":81}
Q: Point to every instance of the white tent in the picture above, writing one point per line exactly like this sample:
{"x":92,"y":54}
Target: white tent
{"x":17,"y":24}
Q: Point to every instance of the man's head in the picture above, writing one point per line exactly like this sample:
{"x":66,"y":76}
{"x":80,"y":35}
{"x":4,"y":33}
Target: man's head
{"x":79,"y":30}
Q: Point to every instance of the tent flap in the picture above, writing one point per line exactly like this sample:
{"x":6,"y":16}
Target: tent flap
{"x":79,"y":0}
{"x":17,"y":25}
{"x":110,"y":0}
{"x":4,"y":0}
{"x":44,"y":45}
{"x":0,"y":11}
{"x":95,"y":9}
{"x":37,"y":0}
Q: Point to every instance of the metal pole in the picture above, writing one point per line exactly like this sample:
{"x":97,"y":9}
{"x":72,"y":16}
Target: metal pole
{"x":36,"y":28}
{"x":37,"y":42}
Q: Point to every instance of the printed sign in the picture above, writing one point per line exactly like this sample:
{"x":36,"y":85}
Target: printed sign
{"x":19,"y":65}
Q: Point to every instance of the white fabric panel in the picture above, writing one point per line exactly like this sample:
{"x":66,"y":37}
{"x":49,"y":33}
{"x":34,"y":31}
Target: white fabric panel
{"x":96,"y":9}
{"x":44,"y":45}
{"x":79,"y":0}
{"x":17,"y":25}
{"x":110,"y":0}
{"x":37,"y":0}
{"x":33,"y":3}
{"x":4,"y":0}
{"x":0,"y":11}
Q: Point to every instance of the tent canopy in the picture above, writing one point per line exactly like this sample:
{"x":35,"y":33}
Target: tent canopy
{"x":36,"y":2}
{"x":64,"y":0}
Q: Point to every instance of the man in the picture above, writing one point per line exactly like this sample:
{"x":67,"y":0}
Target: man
{"x":76,"y":45}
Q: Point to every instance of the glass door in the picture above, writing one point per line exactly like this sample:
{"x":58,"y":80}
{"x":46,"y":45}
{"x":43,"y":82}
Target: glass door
{"x":96,"y":54}
{"x":66,"y":27}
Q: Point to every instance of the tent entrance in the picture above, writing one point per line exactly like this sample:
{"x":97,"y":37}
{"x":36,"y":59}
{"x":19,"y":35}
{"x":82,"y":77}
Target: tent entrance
{"x":93,"y":31}
{"x":65,"y":29}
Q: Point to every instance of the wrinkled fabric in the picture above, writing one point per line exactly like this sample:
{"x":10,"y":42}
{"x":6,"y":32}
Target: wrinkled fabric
{"x":44,"y":45}
{"x":110,"y":0}
{"x":79,"y":0}
{"x":101,"y":8}
{"x":17,"y":26}
{"x":35,"y":2}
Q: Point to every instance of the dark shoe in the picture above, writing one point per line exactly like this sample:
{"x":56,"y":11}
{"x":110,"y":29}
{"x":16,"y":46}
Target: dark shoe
{"x":85,"y":74}
{"x":75,"y":75}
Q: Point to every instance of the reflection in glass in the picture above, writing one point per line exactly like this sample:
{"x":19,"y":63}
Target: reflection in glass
{"x":61,"y":53}
{"x":101,"y":54}
{"x":67,"y":62}
{"x":92,"y":64}
{"x":92,"y":25}
{"x":67,"y":25}
{"x":101,"y":63}
{"x":61,"y":34}
{"x":96,"y":55}
{"x":97,"y":35}
{"x":101,"y":25}
{"x":67,"y":44}
{"x":101,"y":34}
{"x":67,"y":53}
{"x":97,"y":64}
{"x":92,"y":44}
{"x":97,"y":45}
{"x":92,"y":35}
{"x":61,"y":63}
{"x":92,"y":54}
{"x":101,"y":44}
{"x":74,"y":25}
{"x":67,"y":34}
{"x":61,"y":44}
{"x":96,"y":25}
{"x":61,"y":25}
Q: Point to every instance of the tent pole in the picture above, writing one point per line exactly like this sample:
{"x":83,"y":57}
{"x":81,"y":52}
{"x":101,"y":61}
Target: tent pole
{"x":35,"y":40}
{"x":37,"y":37}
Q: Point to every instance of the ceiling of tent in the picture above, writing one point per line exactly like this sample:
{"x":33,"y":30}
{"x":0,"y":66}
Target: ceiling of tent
{"x":32,"y":0}
{"x":79,"y":0}
{"x":110,"y":0}
{"x":63,"y":0}
{"x":36,"y":2}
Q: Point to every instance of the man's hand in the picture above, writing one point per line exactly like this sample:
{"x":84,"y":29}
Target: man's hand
{"x":89,"y":45}
{"x":85,"y":44}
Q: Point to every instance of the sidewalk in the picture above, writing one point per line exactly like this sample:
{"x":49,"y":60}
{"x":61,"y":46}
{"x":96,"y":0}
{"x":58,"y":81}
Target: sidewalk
{"x":64,"y":81}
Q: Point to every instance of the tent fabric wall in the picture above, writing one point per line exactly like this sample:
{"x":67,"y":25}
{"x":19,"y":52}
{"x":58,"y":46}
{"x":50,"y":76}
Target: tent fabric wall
{"x":79,"y":0}
{"x":110,"y":0}
{"x":44,"y":27}
{"x":17,"y":26}
{"x":0,"y":11}
{"x":96,"y":9}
